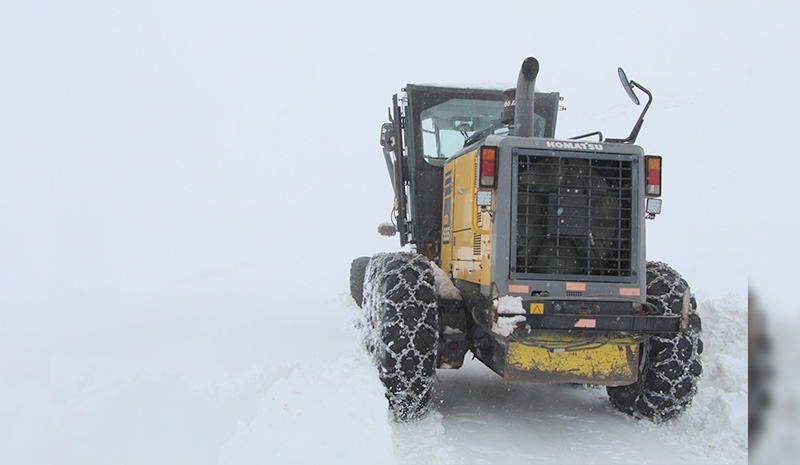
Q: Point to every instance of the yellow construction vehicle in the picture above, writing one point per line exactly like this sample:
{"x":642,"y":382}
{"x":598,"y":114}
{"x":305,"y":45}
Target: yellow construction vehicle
{"x":526,"y":250}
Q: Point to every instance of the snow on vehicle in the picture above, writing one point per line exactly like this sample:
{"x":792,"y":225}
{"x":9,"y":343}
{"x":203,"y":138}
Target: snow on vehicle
{"x":527,"y":251}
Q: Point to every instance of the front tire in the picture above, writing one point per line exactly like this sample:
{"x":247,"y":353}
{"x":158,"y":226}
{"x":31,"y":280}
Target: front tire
{"x":671,"y":364}
{"x":402,"y":321}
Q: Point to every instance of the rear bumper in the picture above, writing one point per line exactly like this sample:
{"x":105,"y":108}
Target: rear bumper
{"x":597,"y":314}
{"x":631,"y":323}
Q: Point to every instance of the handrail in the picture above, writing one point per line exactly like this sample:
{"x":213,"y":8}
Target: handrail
{"x":475,"y":228}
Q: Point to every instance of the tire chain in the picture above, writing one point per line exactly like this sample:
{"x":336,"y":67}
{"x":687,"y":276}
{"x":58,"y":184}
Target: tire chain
{"x":671,"y":367}
{"x":402,"y":329}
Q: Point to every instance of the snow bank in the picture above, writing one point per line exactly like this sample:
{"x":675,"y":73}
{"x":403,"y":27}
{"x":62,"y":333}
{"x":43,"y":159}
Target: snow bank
{"x":109,"y":411}
{"x":716,"y":423}
{"x":321,"y":413}
{"x":423,"y":442}
{"x":306,"y":402}
{"x":327,"y":406}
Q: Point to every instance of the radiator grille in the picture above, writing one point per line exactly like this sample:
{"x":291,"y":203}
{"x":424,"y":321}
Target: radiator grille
{"x":573,"y":216}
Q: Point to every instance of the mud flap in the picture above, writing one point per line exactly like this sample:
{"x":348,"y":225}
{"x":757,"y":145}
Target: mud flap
{"x":452,"y":334}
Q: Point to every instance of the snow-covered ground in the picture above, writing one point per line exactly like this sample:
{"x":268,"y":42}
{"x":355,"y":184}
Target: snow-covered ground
{"x":312,"y":397}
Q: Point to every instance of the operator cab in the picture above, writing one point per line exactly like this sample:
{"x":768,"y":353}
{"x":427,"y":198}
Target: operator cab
{"x":431,"y":124}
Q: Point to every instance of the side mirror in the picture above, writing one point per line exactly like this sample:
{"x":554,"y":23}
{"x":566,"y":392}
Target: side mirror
{"x":387,"y":136}
{"x":628,"y":85}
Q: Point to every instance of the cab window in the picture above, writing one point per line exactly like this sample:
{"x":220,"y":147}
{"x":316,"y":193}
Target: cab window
{"x":447,"y":125}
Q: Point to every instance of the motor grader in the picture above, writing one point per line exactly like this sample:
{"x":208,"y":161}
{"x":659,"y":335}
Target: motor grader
{"x":526,"y":250}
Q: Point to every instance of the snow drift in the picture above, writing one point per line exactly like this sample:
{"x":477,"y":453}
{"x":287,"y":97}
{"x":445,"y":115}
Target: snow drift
{"x":327,"y":405}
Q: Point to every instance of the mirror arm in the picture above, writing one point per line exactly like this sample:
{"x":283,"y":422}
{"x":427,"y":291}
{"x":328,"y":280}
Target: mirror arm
{"x":635,"y":133}
{"x":636,"y":128}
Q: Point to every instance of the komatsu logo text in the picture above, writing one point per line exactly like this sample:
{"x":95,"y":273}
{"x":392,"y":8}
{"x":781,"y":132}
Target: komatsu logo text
{"x":575,"y":145}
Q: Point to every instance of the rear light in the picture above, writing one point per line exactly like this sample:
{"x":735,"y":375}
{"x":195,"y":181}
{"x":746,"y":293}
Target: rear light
{"x":487,"y":167}
{"x":653,"y":175}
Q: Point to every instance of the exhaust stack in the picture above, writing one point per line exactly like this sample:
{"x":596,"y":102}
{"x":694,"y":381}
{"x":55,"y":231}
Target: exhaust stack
{"x":524,"y":110}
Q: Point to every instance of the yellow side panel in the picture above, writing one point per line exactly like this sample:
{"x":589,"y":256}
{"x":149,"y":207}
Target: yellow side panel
{"x":486,"y":239}
{"x":609,"y":364}
{"x":447,"y":214}
{"x":467,"y":253}
{"x":464,"y":195}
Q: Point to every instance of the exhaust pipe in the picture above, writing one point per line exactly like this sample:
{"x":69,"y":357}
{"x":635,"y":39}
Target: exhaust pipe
{"x":524,"y":110}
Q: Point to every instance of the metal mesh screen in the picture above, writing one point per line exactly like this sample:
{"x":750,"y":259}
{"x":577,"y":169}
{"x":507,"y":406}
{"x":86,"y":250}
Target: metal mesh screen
{"x":573,"y":216}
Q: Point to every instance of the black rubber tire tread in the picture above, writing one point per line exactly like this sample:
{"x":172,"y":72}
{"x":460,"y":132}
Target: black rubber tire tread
{"x":671,"y":365}
{"x":760,"y":371}
{"x":402,"y":320}
{"x":358,"y":269}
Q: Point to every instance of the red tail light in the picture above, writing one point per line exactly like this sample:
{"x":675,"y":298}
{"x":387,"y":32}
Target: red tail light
{"x":487,"y":167}
{"x":653,"y":176}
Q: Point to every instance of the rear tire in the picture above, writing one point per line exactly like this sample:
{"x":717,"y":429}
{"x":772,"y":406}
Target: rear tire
{"x":671,"y":364}
{"x":402,"y":320}
{"x":358,"y":269}
{"x":760,"y":371}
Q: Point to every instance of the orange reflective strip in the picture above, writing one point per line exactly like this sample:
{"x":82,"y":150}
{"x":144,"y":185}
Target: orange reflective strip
{"x":632,"y":291}
{"x":585,"y":323}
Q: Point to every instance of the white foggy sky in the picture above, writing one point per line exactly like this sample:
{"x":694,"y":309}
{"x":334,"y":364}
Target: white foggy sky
{"x":145,"y":143}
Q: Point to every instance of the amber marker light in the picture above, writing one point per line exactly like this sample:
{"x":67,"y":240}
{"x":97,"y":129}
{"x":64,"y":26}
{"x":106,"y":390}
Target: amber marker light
{"x":653,"y":176}
{"x":487,"y":166}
